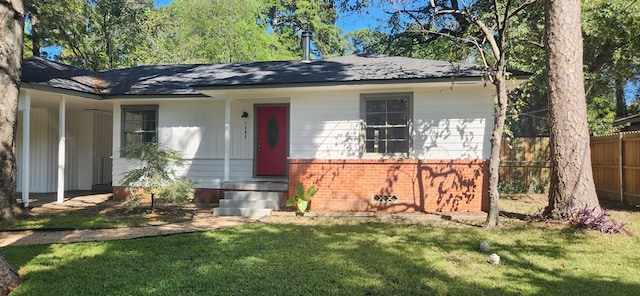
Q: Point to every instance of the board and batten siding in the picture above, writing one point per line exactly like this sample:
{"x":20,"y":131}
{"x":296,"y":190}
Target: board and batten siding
{"x":447,"y":124}
{"x":80,"y":150}
{"x":196,"y":128}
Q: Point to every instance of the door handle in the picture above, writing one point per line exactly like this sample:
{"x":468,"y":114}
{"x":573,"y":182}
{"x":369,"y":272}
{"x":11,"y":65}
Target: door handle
{"x":259,"y":147}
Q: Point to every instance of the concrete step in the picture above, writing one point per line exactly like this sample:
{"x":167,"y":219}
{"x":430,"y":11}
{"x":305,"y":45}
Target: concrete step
{"x":250,"y":204}
{"x":242,"y":212}
{"x":281,"y":185}
{"x":253,"y":195}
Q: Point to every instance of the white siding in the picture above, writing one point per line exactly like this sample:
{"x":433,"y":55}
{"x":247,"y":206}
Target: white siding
{"x":453,"y":124}
{"x":102,"y":142}
{"x":191,"y":127}
{"x":196,"y":128}
{"x":206,"y":173}
{"x":44,"y":150}
{"x":79,"y":151}
{"x":448,"y":123}
{"x":325,"y":125}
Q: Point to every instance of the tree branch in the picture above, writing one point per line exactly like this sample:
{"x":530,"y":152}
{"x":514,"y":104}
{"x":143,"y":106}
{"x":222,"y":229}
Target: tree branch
{"x":483,"y":27}
{"x":520,"y":8}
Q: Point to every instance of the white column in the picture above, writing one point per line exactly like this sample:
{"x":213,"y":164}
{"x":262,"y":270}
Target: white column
{"x":227,"y":138}
{"x":26,"y":144}
{"x":61,"y":148}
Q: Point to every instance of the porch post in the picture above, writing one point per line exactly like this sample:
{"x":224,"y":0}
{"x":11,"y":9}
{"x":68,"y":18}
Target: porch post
{"x":227,"y":138}
{"x":26,"y":144}
{"x":61,"y":148}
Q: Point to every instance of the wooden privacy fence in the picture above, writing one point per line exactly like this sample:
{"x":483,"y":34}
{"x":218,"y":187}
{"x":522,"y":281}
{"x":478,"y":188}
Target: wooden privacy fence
{"x":524,"y":163}
{"x":616,"y":166}
{"x":615,"y":160}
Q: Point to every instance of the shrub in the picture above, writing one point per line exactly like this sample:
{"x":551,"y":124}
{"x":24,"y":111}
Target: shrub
{"x":511,"y":187}
{"x":156,"y":175}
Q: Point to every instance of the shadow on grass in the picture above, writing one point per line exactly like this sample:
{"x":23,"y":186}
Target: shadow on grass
{"x":280,"y":259}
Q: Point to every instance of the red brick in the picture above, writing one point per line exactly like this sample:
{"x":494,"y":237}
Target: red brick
{"x":421,"y":185}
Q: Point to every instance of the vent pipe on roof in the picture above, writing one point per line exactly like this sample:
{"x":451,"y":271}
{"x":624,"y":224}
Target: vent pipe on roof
{"x":306,"y":45}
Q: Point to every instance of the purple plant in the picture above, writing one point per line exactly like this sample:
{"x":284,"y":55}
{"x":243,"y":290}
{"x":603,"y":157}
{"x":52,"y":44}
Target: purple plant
{"x":591,"y":218}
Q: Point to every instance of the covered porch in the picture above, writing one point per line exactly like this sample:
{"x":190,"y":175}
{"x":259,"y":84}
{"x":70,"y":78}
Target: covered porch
{"x":63,"y":142}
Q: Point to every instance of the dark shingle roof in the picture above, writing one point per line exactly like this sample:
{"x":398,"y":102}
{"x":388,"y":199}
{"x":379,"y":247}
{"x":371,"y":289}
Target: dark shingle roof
{"x":179,"y":79}
{"x":44,"y":72}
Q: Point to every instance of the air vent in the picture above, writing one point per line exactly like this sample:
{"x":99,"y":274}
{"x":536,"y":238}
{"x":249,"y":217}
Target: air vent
{"x":385,"y":198}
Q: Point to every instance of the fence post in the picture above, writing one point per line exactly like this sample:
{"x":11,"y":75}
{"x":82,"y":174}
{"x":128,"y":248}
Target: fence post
{"x":620,"y":166}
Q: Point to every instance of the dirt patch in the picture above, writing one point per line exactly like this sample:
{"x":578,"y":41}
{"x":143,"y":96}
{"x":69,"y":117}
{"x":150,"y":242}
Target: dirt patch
{"x":533,"y":198}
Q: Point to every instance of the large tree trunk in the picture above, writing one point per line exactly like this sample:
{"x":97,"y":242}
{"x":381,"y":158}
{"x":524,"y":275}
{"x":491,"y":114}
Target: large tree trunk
{"x":9,"y":278}
{"x":11,"y":31}
{"x":572,"y":184}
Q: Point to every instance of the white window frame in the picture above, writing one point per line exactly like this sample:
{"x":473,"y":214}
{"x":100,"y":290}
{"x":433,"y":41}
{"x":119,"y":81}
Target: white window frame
{"x":364,"y":98}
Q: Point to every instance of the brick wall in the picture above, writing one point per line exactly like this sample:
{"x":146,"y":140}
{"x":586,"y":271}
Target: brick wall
{"x":420,"y":185}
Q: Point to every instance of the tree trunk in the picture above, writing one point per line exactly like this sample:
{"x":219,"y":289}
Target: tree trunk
{"x":11,"y":31}
{"x":9,"y":278}
{"x":572,"y":184}
{"x":621,"y":105}
{"x":496,"y":142}
{"x":35,"y":36}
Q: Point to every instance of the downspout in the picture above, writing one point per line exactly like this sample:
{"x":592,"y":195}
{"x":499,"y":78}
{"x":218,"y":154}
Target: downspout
{"x":26,"y":144}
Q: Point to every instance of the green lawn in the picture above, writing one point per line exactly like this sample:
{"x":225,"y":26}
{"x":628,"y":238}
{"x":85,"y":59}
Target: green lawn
{"x":96,"y":218}
{"x":342,"y":257}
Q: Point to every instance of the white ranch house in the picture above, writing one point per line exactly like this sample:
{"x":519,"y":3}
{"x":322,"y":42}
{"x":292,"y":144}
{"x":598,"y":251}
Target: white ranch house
{"x":373,"y":133}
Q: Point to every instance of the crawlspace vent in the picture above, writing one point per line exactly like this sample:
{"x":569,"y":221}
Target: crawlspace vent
{"x":385,"y":198}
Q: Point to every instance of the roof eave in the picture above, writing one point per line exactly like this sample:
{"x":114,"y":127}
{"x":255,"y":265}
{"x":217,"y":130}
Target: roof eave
{"x":200,"y":87}
{"x":153,"y":96}
{"x":58,"y":90}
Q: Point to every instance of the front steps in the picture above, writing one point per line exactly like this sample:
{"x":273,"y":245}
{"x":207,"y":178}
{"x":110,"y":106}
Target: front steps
{"x":248,"y":203}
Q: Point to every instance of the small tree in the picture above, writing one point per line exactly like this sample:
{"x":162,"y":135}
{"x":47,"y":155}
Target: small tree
{"x":156,"y":175}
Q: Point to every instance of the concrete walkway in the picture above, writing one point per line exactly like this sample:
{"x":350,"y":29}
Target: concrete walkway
{"x":82,"y":200}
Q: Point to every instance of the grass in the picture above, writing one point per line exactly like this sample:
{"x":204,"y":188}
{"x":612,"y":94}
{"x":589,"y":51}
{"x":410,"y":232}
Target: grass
{"x":101,"y":217}
{"x":343,"y":257}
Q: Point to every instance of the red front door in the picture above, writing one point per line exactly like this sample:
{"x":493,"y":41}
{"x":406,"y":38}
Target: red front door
{"x":271,"y":149}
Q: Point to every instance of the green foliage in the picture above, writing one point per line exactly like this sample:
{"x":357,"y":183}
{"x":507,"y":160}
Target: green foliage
{"x":222,"y":31}
{"x":218,"y":31}
{"x":367,"y":41}
{"x":611,"y":59}
{"x":301,"y":199}
{"x":94,"y":35}
{"x":511,"y":187}
{"x":287,"y":18}
{"x":100,"y":35}
{"x":156,"y":174}
{"x":600,"y":115}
